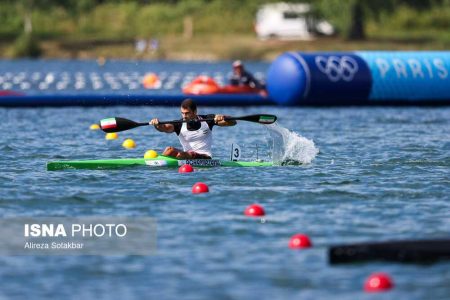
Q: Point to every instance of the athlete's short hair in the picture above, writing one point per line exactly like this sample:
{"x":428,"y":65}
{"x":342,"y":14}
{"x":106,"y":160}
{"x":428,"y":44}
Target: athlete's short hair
{"x":189,"y":104}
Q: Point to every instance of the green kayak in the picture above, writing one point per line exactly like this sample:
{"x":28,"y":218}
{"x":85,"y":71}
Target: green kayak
{"x":160,"y":161}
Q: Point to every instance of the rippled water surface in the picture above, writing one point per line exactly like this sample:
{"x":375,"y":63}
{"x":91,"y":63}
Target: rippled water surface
{"x":380,"y":174}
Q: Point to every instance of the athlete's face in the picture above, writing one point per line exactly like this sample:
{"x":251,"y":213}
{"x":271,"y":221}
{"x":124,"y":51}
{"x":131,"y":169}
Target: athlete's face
{"x":188,"y":114}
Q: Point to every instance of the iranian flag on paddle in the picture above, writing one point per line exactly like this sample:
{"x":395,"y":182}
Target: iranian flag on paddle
{"x":266,"y":119}
{"x":108,"y":123}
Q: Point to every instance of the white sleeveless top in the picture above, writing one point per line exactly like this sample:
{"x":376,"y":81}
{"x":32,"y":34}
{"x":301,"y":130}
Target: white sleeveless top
{"x":200,"y":140}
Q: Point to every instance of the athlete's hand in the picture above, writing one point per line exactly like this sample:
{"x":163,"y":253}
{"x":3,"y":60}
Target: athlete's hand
{"x":219,"y":118}
{"x":154,"y":122}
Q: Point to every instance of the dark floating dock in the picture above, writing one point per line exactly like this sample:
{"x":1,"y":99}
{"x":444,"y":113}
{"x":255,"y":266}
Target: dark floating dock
{"x":409,"y":251}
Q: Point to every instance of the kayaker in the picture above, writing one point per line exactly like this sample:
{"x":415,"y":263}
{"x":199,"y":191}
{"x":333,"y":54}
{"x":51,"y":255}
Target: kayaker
{"x":194,"y":136}
{"x":241,"y":77}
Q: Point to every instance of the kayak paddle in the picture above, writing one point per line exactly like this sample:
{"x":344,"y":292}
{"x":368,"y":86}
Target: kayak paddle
{"x":121,"y":124}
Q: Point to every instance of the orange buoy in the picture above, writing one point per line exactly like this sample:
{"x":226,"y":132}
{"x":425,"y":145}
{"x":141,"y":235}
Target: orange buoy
{"x":151,"y":81}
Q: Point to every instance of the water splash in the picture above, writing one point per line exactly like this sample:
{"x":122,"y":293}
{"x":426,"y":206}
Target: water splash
{"x":290,"y":147}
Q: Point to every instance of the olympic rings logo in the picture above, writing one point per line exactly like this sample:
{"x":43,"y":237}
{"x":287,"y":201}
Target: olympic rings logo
{"x":337,"y":68}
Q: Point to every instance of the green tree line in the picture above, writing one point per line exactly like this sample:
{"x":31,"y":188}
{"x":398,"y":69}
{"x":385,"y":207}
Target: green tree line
{"x":128,"y":19}
{"x":351,"y":16}
{"x":143,"y":16}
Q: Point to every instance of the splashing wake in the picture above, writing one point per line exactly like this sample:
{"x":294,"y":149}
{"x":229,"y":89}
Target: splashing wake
{"x":289,"y":147}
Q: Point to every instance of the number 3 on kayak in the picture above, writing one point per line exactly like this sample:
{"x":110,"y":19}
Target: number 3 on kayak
{"x":235,"y":152}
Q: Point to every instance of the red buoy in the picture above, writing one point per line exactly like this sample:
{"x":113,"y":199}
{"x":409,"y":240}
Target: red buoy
{"x":378,"y":282}
{"x":199,"y":188}
{"x":299,"y":241}
{"x":185,"y":169}
{"x":254,"y":210}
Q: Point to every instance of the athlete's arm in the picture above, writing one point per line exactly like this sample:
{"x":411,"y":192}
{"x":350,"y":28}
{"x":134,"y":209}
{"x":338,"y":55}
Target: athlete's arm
{"x":168,"y":128}
{"x":220,"y":121}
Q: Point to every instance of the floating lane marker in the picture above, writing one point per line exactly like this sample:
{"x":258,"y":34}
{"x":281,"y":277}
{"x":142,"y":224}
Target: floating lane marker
{"x":254,"y":210}
{"x":378,"y":282}
{"x":150,"y":154}
{"x":200,"y":188}
{"x":129,"y":144}
{"x":185,"y":169}
{"x":299,"y":241}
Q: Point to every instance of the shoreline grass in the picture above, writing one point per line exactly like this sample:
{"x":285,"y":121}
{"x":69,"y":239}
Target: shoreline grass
{"x":221,"y":30}
{"x":220,"y":47}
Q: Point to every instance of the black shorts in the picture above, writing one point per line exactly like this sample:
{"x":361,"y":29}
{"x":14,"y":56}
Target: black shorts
{"x":196,"y":155}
